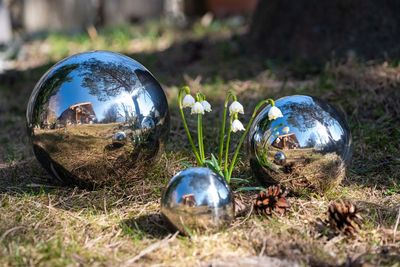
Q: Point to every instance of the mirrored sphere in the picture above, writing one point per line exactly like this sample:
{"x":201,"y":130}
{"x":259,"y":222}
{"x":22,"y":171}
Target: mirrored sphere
{"x":197,"y":199}
{"x":119,"y":139}
{"x":308,"y":148}
{"x":280,"y":158}
{"x":94,"y":116}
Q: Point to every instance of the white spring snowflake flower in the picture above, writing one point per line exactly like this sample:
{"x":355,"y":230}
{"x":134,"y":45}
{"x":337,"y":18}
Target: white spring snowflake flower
{"x":188,"y":101}
{"x":235,"y":108}
{"x":274,"y":113}
{"x":206,"y":105}
{"x":237,"y":126}
{"x":286,"y":129}
{"x":197,"y":108}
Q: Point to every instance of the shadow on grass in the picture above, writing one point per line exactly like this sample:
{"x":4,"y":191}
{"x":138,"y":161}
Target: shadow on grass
{"x":146,"y":226}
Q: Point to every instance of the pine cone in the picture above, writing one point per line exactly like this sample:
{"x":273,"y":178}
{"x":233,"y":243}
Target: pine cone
{"x":270,"y":200}
{"x":343,"y":217}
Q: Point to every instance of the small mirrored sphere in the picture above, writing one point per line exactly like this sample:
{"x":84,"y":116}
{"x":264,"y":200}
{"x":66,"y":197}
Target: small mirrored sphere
{"x":94,"y":116}
{"x":119,"y":139}
{"x":197,"y":200}
{"x":308,"y":148}
{"x":280,"y":158}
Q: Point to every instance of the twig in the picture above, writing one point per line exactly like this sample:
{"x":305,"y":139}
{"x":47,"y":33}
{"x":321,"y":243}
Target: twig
{"x":10,"y":231}
{"x":263,"y":247}
{"x":395,"y":226}
{"x":245,"y":219}
{"x":151,"y":248}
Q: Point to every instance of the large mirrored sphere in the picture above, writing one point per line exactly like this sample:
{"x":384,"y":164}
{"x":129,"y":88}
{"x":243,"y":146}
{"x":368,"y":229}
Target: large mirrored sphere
{"x":197,"y":200}
{"x":308,"y":148}
{"x":95,"y":116}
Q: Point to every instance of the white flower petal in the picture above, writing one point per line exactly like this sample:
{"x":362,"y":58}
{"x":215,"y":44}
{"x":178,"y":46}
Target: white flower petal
{"x":235,"y":107}
{"x":206,"y":105}
{"x":188,"y":101}
{"x":274,"y":113}
{"x":286,"y":129}
{"x":197,"y":108}
{"x":237,"y":126}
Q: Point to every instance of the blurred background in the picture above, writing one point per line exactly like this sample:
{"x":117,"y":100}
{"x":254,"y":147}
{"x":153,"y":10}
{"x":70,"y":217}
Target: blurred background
{"x":39,"y":30}
{"x":300,"y":31}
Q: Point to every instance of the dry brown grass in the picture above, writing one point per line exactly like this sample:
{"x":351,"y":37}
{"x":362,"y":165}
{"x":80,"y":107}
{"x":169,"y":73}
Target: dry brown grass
{"x":45,"y":225}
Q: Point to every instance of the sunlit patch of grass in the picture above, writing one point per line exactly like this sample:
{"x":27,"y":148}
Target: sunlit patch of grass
{"x":393,"y":190}
{"x":117,"y":38}
{"x":217,"y":26}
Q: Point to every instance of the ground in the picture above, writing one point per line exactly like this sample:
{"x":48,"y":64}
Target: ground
{"x":46,"y":225}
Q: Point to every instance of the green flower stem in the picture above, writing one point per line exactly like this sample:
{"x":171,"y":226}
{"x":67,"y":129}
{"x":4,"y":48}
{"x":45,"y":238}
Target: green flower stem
{"x":200,"y":97}
{"x":202,"y":139}
{"x":233,"y":162}
{"x":264,"y":152}
{"x":228,"y":140}
{"x":222,"y":133}
{"x":200,"y":135}
{"x":194,"y":149}
{"x":229,"y":95}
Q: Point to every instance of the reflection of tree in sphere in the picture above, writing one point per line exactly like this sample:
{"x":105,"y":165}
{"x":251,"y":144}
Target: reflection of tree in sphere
{"x":147,"y":123}
{"x":86,"y":100}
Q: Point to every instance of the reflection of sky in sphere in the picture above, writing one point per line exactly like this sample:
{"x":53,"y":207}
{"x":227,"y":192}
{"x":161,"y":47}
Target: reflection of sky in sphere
{"x":72,"y":92}
{"x":319,"y":133}
{"x":212,"y":193}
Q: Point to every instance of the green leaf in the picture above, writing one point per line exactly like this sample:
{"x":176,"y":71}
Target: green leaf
{"x":214,"y":160}
{"x":250,"y":188}
{"x":186,"y":164}
{"x":239,"y":180}
{"x":213,"y":165}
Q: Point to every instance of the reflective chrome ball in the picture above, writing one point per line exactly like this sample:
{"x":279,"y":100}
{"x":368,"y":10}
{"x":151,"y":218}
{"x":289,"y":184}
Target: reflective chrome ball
{"x":280,"y":158}
{"x":308,"y":148}
{"x":197,"y":199}
{"x":119,"y":139}
{"x":94,"y":116}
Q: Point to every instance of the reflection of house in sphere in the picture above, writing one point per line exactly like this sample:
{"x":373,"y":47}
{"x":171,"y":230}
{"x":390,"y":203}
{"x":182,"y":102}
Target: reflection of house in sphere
{"x":286,"y":141}
{"x":189,"y":200}
{"x":78,"y":114}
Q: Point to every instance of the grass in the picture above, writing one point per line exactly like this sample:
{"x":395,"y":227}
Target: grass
{"x":120,"y":225}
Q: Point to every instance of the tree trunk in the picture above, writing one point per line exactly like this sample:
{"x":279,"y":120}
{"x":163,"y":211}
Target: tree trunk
{"x":319,"y":30}
{"x":68,"y":15}
{"x":125,"y":11}
{"x":5,"y":24}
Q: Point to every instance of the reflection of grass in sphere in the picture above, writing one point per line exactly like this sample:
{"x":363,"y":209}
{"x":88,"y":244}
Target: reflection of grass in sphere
{"x":84,"y":149}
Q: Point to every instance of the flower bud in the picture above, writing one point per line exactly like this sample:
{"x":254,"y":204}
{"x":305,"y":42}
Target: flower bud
{"x":235,"y":108}
{"x":206,"y":105}
{"x":274,"y":113}
{"x":197,"y":108}
{"x":237,"y":126}
{"x":188,"y":101}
